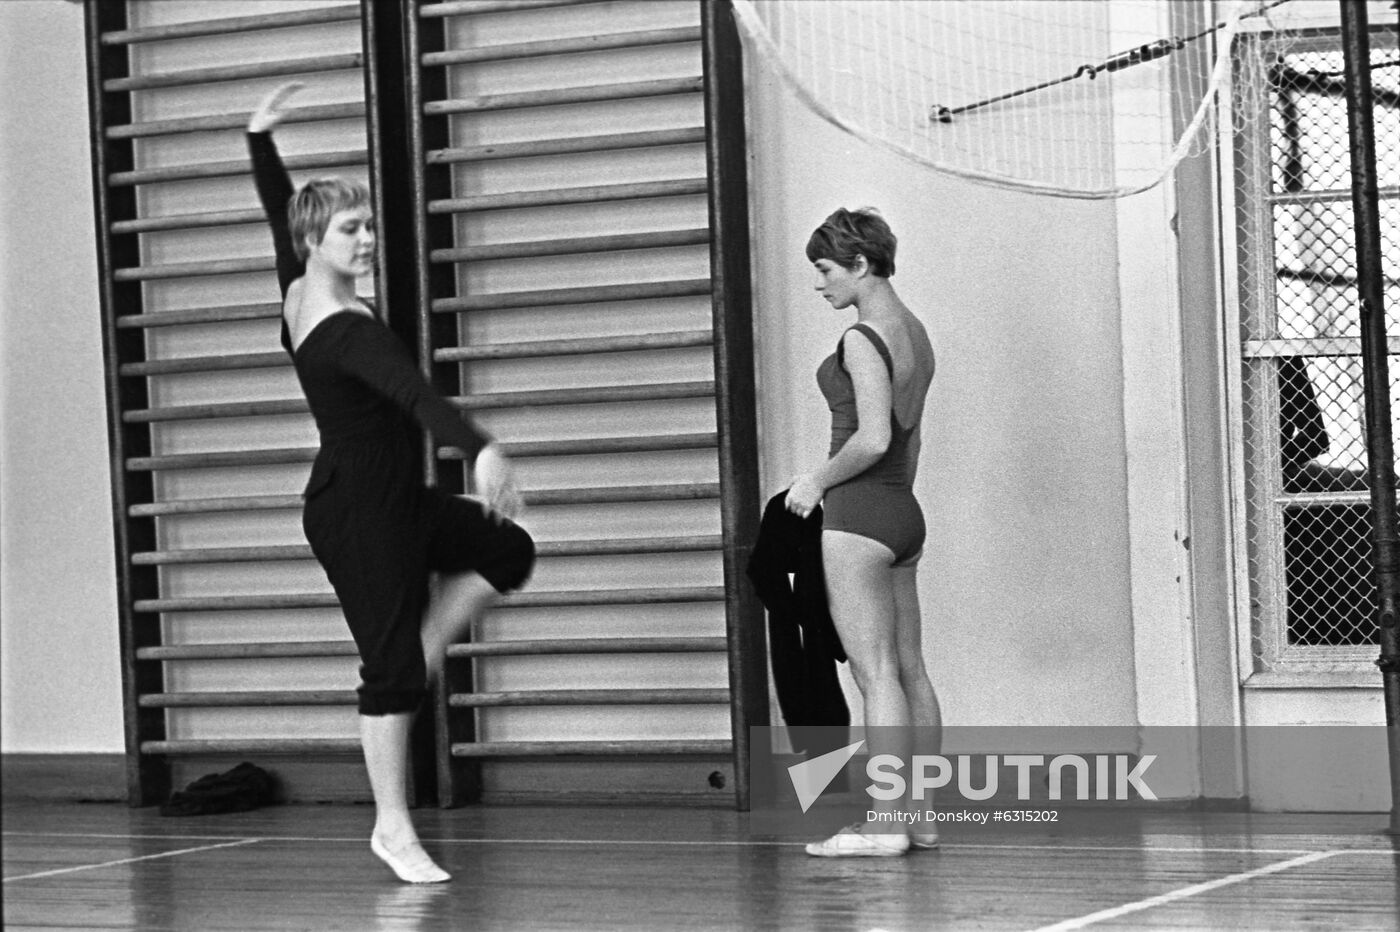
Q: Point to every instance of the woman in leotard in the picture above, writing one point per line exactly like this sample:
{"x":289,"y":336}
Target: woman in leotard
{"x":873,"y":529}
{"x":373,"y":526}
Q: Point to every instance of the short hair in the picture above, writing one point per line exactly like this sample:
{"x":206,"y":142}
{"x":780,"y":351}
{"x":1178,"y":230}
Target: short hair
{"x":310,"y":210}
{"x":849,"y":234}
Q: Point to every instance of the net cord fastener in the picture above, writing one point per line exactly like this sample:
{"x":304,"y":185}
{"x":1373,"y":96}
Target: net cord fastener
{"x":1135,"y":56}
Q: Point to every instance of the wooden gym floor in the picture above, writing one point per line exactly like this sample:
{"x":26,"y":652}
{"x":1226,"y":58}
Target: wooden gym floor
{"x":104,"y":866}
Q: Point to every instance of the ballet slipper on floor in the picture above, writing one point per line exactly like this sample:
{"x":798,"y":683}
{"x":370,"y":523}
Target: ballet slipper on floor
{"x":854,"y":842}
{"x":411,"y":863}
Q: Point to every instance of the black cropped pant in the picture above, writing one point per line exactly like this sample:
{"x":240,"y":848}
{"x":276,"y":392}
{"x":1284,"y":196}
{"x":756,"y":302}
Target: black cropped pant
{"x":378,"y":541}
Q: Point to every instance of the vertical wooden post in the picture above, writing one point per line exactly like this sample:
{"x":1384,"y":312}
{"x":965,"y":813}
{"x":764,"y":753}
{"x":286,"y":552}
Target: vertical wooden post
{"x":735,"y":412}
{"x":147,"y":777}
{"x":459,"y":782}
{"x":1380,"y":449}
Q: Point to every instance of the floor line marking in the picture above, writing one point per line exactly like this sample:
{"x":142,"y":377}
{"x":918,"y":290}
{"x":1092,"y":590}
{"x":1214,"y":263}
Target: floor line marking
{"x":146,"y":857}
{"x":332,"y":839}
{"x":1184,"y":892}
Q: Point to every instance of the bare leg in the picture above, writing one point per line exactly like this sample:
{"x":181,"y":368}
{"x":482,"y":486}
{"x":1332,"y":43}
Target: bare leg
{"x":860,"y":590}
{"x":456,"y":602}
{"x":395,"y":841}
{"x":925,"y":714}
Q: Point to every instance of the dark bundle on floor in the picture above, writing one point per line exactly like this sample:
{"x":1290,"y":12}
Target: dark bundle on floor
{"x":245,"y":787}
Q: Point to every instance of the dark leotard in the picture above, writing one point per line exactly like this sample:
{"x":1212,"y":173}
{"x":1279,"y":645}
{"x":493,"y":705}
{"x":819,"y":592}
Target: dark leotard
{"x":879,"y":503}
{"x":375,"y":528}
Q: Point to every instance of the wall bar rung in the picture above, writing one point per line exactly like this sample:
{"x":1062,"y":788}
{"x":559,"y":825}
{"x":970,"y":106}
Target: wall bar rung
{"x":220,"y":121}
{"x":221,"y":218}
{"x":266,"y":69}
{"x":234,"y":24}
{"x":236,"y":168}
{"x":583,"y":346}
{"x":577,"y":246}
{"x":602,"y":394}
{"x":569,"y":145}
{"x":253,"y":746}
{"x":555,"y":548}
{"x":209,"y":700}
{"x":192,"y":506}
{"x":529,"y":599}
{"x":153,"y":367}
{"x":228,"y":409}
{"x":250,"y":651}
{"x":201,"y":315}
{"x":582,"y":597}
{"x":222,"y":459}
{"x":594,"y":194}
{"x":566,"y":46}
{"x":584,"y":446}
{"x":592,"y":294}
{"x":661,"y":391}
{"x":545,"y":646}
{"x":236,"y":603}
{"x":478,"y":7}
{"x":588,"y":697}
{"x":555,"y":97}
{"x":194,"y":269}
{"x":674,"y":492}
{"x":628,"y":545}
{"x":509,"y":749}
{"x":590,"y":446}
{"x":266,"y":553}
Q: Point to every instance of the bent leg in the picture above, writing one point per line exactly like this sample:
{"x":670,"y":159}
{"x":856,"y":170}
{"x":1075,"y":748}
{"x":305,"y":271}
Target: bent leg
{"x":476,"y":556}
{"x":456,"y":601}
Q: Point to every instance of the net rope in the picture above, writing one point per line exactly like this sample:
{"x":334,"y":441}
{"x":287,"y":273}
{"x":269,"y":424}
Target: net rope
{"x":884,"y":71}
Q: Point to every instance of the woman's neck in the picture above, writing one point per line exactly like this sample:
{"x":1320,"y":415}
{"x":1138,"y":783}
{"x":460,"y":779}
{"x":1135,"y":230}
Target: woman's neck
{"x":879,"y":302}
{"x":324,"y":284}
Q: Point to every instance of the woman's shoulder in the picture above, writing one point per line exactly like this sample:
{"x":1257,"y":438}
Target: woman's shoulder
{"x":876,"y":336}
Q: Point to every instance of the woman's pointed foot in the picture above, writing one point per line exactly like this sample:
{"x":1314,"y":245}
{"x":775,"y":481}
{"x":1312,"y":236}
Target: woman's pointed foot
{"x":409,"y":861}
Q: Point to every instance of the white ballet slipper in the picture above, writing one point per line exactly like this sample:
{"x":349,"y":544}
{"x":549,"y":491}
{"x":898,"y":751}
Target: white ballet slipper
{"x":923,"y":841}
{"x":411,"y":863}
{"x":854,"y":842}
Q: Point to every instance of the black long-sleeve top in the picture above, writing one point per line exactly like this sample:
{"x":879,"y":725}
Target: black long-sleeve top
{"x":358,"y":377}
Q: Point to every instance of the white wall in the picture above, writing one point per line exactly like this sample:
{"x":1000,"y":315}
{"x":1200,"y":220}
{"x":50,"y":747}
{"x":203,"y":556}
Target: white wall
{"x":1024,"y":584}
{"x":61,"y":670}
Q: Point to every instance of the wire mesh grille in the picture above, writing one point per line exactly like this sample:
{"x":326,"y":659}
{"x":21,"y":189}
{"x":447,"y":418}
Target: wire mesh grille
{"x":1307,"y":501}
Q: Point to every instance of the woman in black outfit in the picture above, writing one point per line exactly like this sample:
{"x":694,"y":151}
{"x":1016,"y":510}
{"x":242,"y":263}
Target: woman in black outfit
{"x":374,"y":527}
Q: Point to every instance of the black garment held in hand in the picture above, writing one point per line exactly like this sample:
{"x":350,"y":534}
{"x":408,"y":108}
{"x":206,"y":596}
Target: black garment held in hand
{"x":802,"y":638}
{"x":375,"y":528}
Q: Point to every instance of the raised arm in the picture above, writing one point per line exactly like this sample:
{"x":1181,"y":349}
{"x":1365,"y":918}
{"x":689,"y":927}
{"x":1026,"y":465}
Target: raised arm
{"x":274,"y":185}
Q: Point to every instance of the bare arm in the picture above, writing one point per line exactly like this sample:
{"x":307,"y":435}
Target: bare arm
{"x":874,"y":395}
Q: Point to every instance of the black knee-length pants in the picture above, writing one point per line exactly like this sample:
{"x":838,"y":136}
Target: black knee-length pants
{"x":378,"y":537}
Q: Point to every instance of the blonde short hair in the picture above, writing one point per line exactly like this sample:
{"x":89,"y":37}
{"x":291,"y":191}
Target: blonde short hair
{"x":310,"y":210}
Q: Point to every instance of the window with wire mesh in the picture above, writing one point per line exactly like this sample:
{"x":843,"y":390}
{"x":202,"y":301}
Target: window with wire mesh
{"x":1308,"y":508}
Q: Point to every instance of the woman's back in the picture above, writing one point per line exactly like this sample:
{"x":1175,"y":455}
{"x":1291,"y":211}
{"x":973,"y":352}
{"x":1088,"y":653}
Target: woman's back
{"x":908,"y":354}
